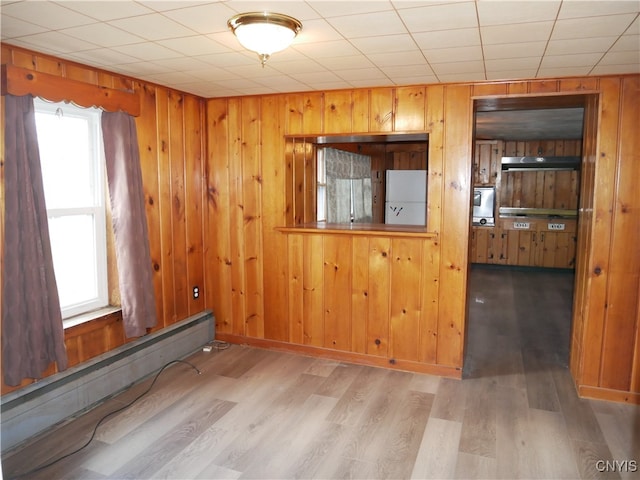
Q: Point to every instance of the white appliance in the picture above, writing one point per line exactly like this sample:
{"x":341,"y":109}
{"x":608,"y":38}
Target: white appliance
{"x":406,"y":197}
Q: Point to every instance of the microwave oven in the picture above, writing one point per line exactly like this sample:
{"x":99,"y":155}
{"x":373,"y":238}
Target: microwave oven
{"x":484,"y":205}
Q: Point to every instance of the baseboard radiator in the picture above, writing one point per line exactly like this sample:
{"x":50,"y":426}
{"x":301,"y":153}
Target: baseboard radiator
{"x":48,"y":402}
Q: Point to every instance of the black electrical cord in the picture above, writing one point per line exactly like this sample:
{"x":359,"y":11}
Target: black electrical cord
{"x":95,"y":429}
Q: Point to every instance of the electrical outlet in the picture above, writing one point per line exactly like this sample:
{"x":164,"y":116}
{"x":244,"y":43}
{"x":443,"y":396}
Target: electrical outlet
{"x":196,"y":292}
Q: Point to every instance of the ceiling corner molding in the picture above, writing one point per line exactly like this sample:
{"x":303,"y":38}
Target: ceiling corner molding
{"x":21,"y":81}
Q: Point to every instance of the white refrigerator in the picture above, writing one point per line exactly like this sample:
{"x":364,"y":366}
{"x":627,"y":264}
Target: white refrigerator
{"x":406,"y":197}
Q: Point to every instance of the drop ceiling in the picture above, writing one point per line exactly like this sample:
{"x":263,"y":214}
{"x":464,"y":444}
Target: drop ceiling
{"x":186,"y":44}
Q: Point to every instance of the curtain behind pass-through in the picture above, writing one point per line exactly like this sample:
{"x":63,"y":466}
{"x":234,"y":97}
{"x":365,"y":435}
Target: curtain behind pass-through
{"x":129,"y":222}
{"x":348,"y":187}
{"x":32,"y":331}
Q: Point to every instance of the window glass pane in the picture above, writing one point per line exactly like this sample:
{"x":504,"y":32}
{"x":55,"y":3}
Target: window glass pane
{"x":65,"y":150}
{"x":73,"y":247}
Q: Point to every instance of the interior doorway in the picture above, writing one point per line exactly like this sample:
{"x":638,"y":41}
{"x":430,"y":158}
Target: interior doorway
{"x":524,"y":274}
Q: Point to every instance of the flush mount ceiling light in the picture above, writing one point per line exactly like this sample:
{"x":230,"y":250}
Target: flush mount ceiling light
{"x":264,"y":33}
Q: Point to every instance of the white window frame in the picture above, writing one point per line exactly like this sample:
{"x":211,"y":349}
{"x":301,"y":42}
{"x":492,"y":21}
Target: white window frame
{"x":97,"y":210}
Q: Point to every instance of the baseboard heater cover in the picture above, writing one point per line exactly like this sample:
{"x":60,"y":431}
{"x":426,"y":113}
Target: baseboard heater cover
{"x":44,"y":404}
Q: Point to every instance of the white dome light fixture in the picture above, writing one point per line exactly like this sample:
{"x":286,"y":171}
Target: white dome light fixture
{"x":264,"y":33}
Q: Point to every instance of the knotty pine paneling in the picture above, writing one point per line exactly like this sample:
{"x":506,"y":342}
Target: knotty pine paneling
{"x":229,"y":272}
{"x":172,"y":148}
{"x":536,"y":189}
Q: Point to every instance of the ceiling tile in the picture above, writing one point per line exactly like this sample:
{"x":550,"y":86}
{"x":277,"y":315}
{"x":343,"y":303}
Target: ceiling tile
{"x":414,"y":57}
{"x":208,"y":18}
{"x":48,"y":14}
{"x":582,"y":45}
{"x":146,"y":51}
{"x":581,"y":60}
{"x":153,"y":27}
{"x":384,"y":44}
{"x":336,"y":48}
{"x":102,"y":34}
{"x":316,"y":31}
{"x":103,"y":56}
{"x":382,"y":23}
{"x":359,"y":74}
{"x":351,"y":61}
{"x":612,"y":25}
{"x":336,"y":8}
{"x":590,"y":8}
{"x":501,"y":13}
{"x":457,"y":67}
{"x":514,"y":50}
{"x":560,"y":71}
{"x":621,"y":58}
{"x":104,"y":10}
{"x":56,"y":42}
{"x":14,"y":27}
{"x":505,"y":64}
{"x":520,"y":33}
{"x":457,"y":54}
{"x":440,"y":17}
{"x":460,"y":37}
{"x":195,"y":45}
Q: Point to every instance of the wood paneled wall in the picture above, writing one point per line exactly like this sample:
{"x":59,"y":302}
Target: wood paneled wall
{"x":223,"y":234}
{"x":172,"y":150}
{"x":294,"y":266}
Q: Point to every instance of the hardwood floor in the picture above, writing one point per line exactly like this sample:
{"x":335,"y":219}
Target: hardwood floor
{"x":260,"y":414}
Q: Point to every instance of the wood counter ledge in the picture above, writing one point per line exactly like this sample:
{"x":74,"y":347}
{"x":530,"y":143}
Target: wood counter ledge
{"x":368,"y":229}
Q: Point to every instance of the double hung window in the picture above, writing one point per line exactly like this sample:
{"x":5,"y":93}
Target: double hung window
{"x":72,"y":158}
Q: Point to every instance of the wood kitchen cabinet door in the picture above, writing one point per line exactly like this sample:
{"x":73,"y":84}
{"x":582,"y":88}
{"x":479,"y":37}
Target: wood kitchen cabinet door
{"x":556,"y":248}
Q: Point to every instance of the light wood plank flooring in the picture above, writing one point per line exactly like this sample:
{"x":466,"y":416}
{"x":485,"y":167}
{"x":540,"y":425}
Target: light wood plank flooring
{"x":261,"y":414}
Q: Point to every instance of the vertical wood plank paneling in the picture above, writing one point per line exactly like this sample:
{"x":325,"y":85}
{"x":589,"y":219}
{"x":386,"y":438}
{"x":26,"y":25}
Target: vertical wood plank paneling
{"x":454,"y":247}
{"x":313,"y":290}
{"x":609,"y":289}
{"x":219,"y":259}
{"x":337,"y":278}
{"x":360,"y":294}
{"x":410,"y":109}
{"x":236,"y":225}
{"x":252,"y":217}
{"x":293,"y":114}
{"x":406,"y":297}
{"x":381,"y":110}
{"x":624,"y":263}
{"x":379,"y":295}
{"x":435,"y":127}
{"x":429,"y":302}
{"x":338,"y":107}
{"x":193,"y":200}
{"x":148,"y":140}
{"x":166,"y":210}
{"x":295,"y":253}
{"x":584,"y":236}
{"x":312,"y":113}
{"x":360,"y":116}
{"x":178,"y":234}
{"x":604,"y":201}
{"x":171,"y":143}
{"x":275,"y":203}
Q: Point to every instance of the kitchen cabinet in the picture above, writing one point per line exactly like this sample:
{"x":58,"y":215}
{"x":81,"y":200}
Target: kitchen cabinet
{"x":526,"y":241}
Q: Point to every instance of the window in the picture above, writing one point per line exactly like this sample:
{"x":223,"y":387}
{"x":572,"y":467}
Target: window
{"x":72,"y":160}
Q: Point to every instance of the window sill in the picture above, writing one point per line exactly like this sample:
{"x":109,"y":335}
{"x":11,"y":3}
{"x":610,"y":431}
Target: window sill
{"x":89,"y":316}
{"x":368,"y":229}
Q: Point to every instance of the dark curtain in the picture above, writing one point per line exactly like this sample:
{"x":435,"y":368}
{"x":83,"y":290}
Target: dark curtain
{"x":129,"y":222}
{"x":32,"y":331}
